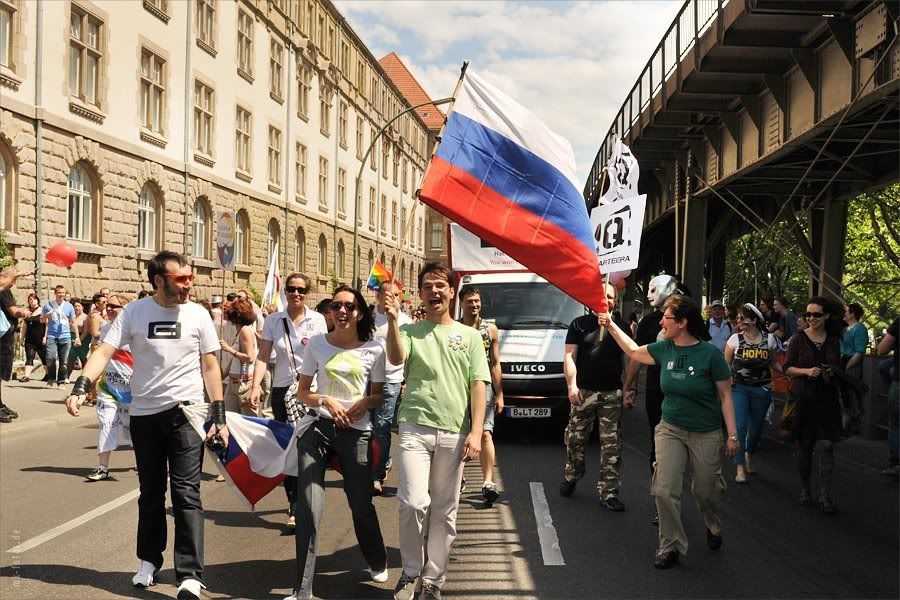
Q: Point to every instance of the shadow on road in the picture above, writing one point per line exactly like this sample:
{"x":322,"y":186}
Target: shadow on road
{"x":118,"y":583}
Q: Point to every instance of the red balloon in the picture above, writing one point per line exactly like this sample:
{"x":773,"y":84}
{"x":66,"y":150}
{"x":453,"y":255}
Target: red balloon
{"x":62,"y":254}
{"x":621,"y":285}
{"x":615,"y":278}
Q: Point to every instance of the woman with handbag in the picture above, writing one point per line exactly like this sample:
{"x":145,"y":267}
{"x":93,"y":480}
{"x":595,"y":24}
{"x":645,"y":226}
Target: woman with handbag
{"x":238,"y":367}
{"x":811,"y":357}
{"x":287,"y":333}
{"x":345,"y":364}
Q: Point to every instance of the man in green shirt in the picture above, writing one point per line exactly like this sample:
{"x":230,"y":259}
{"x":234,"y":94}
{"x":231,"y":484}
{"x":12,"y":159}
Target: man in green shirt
{"x":441,"y":421}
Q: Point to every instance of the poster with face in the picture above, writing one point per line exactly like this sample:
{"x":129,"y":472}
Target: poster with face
{"x":622,"y":172}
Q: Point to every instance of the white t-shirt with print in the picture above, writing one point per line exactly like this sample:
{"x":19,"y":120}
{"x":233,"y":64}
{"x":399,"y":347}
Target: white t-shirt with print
{"x":343,"y":374}
{"x":166,"y":344}
{"x":393,"y":373}
{"x":312,"y":324}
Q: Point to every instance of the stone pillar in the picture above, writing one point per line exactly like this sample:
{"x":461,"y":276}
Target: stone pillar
{"x":716,"y":282}
{"x":834,"y":237}
{"x":695,"y":247}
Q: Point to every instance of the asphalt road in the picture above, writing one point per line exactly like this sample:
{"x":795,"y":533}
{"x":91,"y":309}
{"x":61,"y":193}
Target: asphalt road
{"x":772,"y":548}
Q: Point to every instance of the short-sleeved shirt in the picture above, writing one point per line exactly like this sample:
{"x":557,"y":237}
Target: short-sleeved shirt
{"x":854,"y":340}
{"x":688,"y":380}
{"x":719,"y":334}
{"x":115,"y":382}
{"x":751,"y":364}
{"x":441,"y":362}
{"x":343,"y":374}
{"x":393,"y":373}
{"x":894,"y":330}
{"x":788,"y":324}
{"x":289,"y":354}
{"x":6,"y":302}
{"x":649,"y":330}
{"x":58,"y":325}
{"x":598,"y":363}
{"x":166,"y":344}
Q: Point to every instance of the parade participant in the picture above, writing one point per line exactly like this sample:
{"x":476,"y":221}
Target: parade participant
{"x":891,"y":342}
{"x":854,"y":342}
{"x":82,"y":333}
{"x":59,"y":316}
{"x":342,"y":363}
{"x":787,"y":320}
{"x":771,"y":319}
{"x":12,"y":314}
{"x":8,"y":277}
{"x":98,"y":319}
{"x":113,"y":397}
{"x":323,"y":308}
{"x":383,"y":416}
{"x":471,"y":316}
{"x":440,"y":427}
{"x":751,"y":355}
{"x":242,"y":352}
{"x":719,"y":327}
{"x":593,"y":369}
{"x":34,"y":342}
{"x":697,"y":386}
{"x":286,"y":333}
{"x":810,"y":360}
{"x":174,"y":345}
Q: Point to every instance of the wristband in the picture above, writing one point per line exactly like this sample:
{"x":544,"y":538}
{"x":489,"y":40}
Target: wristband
{"x":217,"y":413}
{"x":81,"y":387}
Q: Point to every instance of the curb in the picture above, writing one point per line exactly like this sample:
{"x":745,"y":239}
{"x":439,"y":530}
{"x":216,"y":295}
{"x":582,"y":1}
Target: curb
{"x":19,"y":428}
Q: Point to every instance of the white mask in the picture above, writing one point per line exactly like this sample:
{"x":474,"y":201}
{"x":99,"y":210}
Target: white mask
{"x":661,"y":287}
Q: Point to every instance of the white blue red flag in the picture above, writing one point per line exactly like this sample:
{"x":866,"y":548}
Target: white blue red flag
{"x":503,"y":175}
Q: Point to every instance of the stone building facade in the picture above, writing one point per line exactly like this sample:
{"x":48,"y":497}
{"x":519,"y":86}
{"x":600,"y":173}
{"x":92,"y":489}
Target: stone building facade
{"x":162,"y":112}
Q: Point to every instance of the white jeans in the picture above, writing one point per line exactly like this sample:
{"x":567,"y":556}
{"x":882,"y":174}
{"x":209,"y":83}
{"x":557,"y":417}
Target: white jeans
{"x":430,"y":472}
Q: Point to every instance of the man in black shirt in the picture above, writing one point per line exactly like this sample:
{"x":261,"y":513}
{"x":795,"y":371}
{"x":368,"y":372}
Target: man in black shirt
{"x":593,"y":368}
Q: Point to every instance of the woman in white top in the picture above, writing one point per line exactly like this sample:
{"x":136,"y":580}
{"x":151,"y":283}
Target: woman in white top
{"x":344,"y":362}
{"x":238,"y":367}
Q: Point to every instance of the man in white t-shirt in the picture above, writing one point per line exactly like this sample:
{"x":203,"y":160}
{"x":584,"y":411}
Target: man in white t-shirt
{"x":383,"y":417}
{"x":174,"y":344}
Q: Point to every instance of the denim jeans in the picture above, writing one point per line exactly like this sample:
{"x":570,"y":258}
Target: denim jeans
{"x":750,"y":405}
{"x":382,"y":418}
{"x":58,"y":357}
{"x":894,"y":423}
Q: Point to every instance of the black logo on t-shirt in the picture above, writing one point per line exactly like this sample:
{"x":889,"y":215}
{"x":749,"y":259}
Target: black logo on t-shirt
{"x":164,"y":330}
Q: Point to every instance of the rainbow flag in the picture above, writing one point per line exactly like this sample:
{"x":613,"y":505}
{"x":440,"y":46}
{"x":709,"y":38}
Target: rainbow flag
{"x":379,"y":276}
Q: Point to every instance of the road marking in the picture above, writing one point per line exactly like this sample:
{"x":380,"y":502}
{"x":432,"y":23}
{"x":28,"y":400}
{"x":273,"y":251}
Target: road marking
{"x":546,"y":531}
{"x":70,"y":525}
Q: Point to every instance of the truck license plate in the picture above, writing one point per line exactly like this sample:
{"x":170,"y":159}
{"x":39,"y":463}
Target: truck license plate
{"x":527,"y":413}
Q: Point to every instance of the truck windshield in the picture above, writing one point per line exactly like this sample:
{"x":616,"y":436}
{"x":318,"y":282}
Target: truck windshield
{"x":528,"y":305}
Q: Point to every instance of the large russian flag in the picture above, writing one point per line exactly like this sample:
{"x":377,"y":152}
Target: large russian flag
{"x":503,"y":175}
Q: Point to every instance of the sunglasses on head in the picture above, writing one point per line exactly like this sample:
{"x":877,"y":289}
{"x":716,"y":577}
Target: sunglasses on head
{"x":348,"y":306}
{"x":113,"y":306}
{"x":181,"y":279}
{"x":813,"y":315}
{"x":295,"y":289}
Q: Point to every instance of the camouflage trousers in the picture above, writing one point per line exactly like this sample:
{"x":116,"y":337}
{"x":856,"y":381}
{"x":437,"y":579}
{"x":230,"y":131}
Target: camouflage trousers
{"x":606,"y":407}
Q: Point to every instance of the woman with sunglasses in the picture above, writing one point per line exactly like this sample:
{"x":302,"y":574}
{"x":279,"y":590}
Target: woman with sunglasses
{"x":811,"y":356}
{"x":287,"y":333}
{"x":751,"y":354}
{"x":696,"y":382}
{"x":97,"y":321}
{"x":344,"y":363}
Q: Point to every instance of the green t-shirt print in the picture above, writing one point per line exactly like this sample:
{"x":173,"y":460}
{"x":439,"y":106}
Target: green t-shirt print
{"x":441,"y":362}
{"x":688,"y":379}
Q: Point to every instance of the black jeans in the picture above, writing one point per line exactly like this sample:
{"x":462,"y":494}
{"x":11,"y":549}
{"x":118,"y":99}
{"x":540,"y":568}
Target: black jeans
{"x":280,"y":413}
{"x":653,"y":400}
{"x":165,"y":444}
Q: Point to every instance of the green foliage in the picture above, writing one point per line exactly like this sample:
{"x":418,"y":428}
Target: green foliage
{"x":6,"y":258}
{"x":335,"y":282}
{"x":255,"y":294}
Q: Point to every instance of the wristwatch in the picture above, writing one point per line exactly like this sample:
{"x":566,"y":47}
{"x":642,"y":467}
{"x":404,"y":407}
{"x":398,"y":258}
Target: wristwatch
{"x":733,"y":438}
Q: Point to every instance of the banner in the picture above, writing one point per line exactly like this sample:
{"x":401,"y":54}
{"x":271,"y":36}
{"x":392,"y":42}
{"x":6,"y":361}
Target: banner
{"x":469,"y":253}
{"x":617,"y":233}
{"x":273,"y":292}
{"x":622,"y":172}
{"x":226,"y":239}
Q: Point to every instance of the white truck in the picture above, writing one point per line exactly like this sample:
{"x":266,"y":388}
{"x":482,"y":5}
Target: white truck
{"x":532,"y":317}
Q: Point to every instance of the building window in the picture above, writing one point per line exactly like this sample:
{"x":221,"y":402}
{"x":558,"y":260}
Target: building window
{"x":403,"y":224}
{"x":437,"y":235}
{"x":341,"y":259}
{"x":153,"y":91}
{"x":199,"y":229}
{"x":373,"y":157}
{"x":396,"y":169}
{"x":383,"y":216}
{"x":342,"y":192}
{"x":274,"y":156}
{"x":245,"y":43}
{"x":241,"y":238}
{"x":385,"y":156}
{"x":361,"y":77}
{"x":320,"y":34}
{"x":300,"y":251}
{"x":394,"y":219}
{"x":276,"y":62}
{"x":323,"y":183}
{"x":147,"y":218}
{"x":405,"y":176}
{"x":301,"y":172}
{"x":343,"y":124}
{"x":345,"y":59}
{"x":304,"y":83}
{"x":242,"y":139}
{"x":274,"y":236}
{"x":360,"y":137}
{"x":205,"y":19}
{"x":7,"y":16}
{"x":6,"y":191}
{"x":204,"y":103}
{"x":85,"y":56}
{"x":372,"y":209}
{"x":79,"y":215}
{"x":420,"y":235}
{"x":322,"y":263}
{"x":324,"y":112}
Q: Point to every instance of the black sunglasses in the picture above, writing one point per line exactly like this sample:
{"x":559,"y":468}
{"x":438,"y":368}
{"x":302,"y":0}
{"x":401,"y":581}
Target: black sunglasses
{"x":813,"y":315}
{"x":336,"y":306}
{"x":290,"y":289}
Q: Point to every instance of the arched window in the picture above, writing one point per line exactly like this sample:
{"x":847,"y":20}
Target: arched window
{"x":199,"y":229}
{"x":371,"y":261}
{"x":274,"y":239}
{"x":402,"y":272}
{"x":322,"y":263}
{"x":242,"y":238}
{"x":149,"y":210}
{"x":341,"y":259}
{"x":79,"y":213}
{"x":300,"y":251}
{"x":6,"y":191}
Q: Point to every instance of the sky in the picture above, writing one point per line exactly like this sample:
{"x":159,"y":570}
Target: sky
{"x":571,"y":63}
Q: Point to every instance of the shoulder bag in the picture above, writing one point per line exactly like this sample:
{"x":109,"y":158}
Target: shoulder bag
{"x":293,"y":407}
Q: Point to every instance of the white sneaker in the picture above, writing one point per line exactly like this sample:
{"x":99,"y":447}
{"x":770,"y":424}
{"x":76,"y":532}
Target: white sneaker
{"x":189,"y":589}
{"x":146,"y":575}
{"x":378,"y":576}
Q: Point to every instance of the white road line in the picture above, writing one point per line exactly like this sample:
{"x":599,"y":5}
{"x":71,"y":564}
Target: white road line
{"x":70,"y":525}
{"x":546,"y":531}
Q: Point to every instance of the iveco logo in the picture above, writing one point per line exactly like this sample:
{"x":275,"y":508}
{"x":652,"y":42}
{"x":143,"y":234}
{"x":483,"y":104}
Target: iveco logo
{"x":527,"y":368}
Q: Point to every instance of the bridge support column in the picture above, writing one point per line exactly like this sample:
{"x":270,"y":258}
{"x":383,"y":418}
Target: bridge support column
{"x":834,"y":237}
{"x":716,"y":282}
{"x":695,"y":247}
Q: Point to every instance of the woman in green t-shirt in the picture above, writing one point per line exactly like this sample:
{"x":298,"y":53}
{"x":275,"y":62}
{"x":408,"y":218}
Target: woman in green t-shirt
{"x":696,"y":382}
